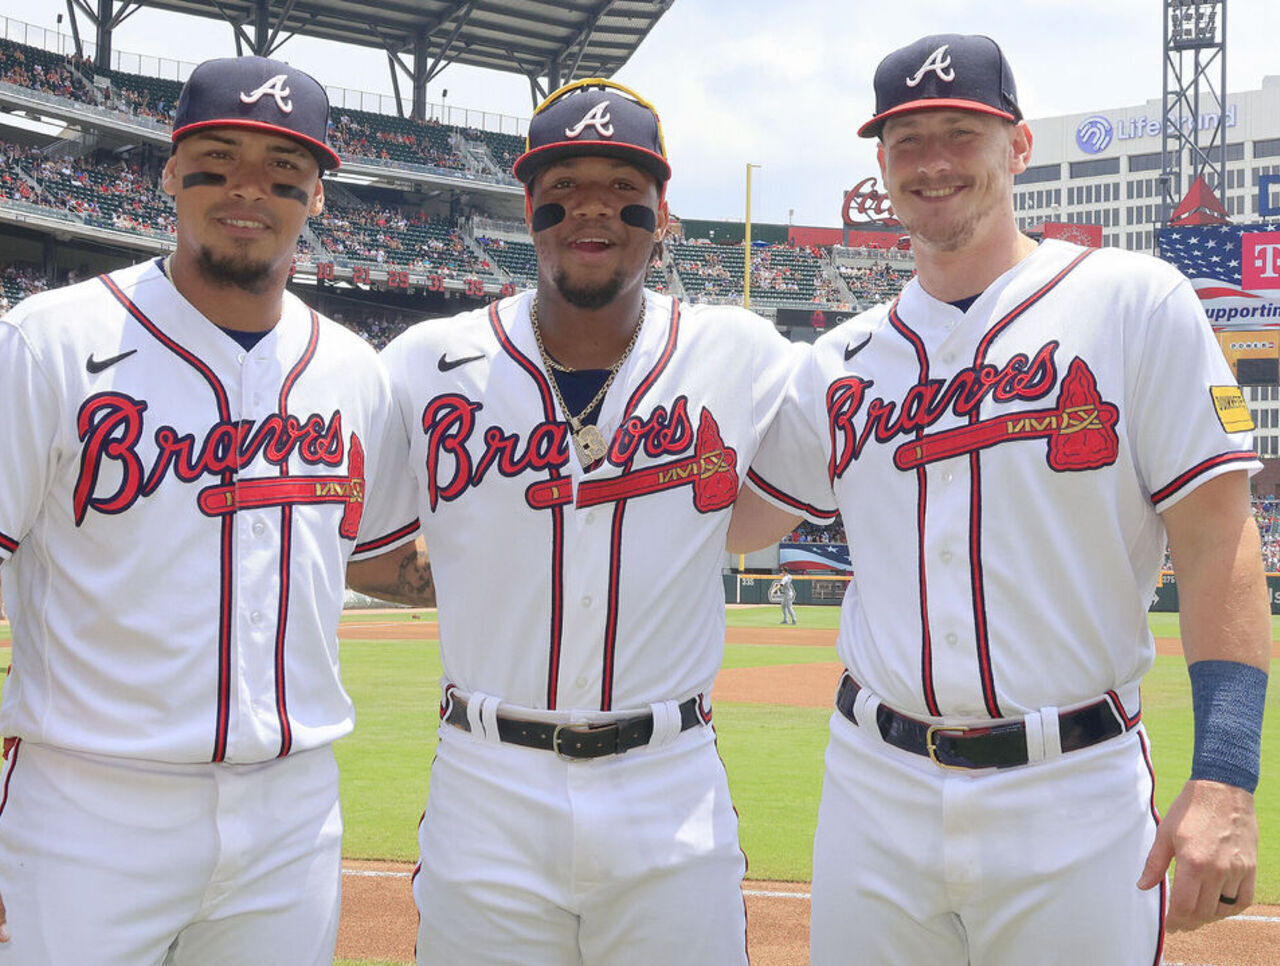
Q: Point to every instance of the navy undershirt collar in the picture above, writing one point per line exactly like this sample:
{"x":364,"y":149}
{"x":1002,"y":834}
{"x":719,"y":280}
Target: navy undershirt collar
{"x":247,"y":340}
{"x":579,"y":387}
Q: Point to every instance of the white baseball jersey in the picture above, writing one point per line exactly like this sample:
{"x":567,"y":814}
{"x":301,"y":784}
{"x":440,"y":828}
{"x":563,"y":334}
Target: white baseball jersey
{"x":1001,"y":472}
{"x":176,"y":514}
{"x":562,"y":588}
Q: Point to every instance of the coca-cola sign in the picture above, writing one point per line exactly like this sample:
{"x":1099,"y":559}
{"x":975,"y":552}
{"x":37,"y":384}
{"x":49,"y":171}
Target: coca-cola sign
{"x":864,"y":203}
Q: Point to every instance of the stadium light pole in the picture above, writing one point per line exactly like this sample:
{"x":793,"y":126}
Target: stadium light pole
{"x":746,"y":246}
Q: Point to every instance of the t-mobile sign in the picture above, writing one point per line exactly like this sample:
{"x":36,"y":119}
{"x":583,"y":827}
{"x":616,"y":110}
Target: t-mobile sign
{"x":1260,"y":259}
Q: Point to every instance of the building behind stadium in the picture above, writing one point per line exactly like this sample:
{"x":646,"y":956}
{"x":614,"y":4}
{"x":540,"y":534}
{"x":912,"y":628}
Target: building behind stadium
{"x":1103,"y":167}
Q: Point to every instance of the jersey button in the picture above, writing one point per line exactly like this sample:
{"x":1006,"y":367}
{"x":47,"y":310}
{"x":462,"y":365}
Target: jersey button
{"x":948,"y":476}
{"x":256,"y":617}
{"x":258,"y":528}
{"x":586,"y":601}
{"x":240,"y":358}
{"x":946,"y":556}
{"x":952,"y":639}
{"x":581,"y":684}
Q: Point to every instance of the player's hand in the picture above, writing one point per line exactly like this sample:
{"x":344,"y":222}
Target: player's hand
{"x":4,"y":924}
{"x":1212,"y":831}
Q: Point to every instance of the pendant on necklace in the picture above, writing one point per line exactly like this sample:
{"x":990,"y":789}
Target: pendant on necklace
{"x":591,"y":445}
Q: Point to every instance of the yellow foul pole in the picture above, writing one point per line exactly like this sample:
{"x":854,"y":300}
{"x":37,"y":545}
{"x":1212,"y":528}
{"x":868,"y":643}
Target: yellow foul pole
{"x":746,"y":246}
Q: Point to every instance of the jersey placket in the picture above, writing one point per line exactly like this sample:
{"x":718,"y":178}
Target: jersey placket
{"x":259,"y":589}
{"x":946,"y":564}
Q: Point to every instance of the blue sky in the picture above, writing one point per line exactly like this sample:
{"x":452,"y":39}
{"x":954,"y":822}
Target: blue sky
{"x":785,"y":85}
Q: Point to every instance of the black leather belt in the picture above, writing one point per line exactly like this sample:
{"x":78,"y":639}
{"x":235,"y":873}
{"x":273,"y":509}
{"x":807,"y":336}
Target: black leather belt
{"x":578,"y":741}
{"x":1001,"y":745}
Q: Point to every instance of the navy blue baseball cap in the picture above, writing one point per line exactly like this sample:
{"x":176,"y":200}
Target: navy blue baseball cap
{"x":594,"y":117}
{"x":956,"y":71}
{"x":258,"y":94}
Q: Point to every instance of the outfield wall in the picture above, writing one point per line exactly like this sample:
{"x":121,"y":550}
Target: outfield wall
{"x":1167,"y":592}
{"x":755,"y":589}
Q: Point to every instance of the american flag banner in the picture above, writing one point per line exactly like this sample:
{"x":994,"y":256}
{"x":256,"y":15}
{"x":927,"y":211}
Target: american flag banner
{"x":1235,"y":270}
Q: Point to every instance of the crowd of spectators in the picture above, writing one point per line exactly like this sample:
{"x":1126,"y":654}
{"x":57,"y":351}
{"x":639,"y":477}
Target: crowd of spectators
{"x":34,"y":69}
{"x":111,"y":193}
{"x":874,"y":283}
{"x":420,"y":142}
{"x":827,"y":292}
{"x":1267,"y":513}
{"x":142,"y":98}
{"x":378,"y":324}
{"x":767,"y":276}
{"x":411,"y":240}
{"x":808,"y":532}
{"x":19,"y":281}
{"x":352,"y":133}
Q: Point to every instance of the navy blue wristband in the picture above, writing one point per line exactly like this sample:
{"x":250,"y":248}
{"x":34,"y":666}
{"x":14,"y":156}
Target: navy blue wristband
{"x":1227,"y":698}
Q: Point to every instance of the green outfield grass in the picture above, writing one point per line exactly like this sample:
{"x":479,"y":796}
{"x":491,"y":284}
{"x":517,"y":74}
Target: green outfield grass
{"x":773,"y":754}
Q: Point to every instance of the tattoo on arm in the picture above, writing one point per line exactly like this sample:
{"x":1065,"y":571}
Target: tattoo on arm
{"x":402,"y":576}
{"x":415,"y":585}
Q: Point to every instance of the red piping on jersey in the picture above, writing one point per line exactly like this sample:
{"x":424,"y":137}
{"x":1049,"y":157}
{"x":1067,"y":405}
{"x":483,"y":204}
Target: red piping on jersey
{"x":928,"y":690}
{"x":1155,"y":815}
{"x":8,"y":543}
{"x":619,"y":510}
{"x":286,"y":546}
{"x":981,"y":629}
{"x":223,"y":715}
{"x":392,"y":537}
{"x":1212,"y":462}
{"x":1118,"y":706}
{"x":556,"y":630}
{"x":11,"y":748}
{"x":791,"y":503}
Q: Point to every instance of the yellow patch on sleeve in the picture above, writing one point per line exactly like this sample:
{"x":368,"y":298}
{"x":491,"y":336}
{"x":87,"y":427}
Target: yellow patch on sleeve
{"x":1233,"y":411}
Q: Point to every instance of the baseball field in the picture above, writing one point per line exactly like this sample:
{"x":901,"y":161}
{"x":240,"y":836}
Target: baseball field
{"x":772,"y":702}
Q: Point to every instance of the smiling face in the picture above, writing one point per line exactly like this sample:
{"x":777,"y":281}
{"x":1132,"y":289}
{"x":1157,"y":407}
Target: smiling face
{"x":242,"y":198}
{"x":591,"y":255}
{"x":950,"y":174}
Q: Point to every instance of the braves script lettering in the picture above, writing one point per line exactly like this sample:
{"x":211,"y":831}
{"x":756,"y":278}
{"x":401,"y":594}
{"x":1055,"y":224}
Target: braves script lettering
{"x":449,"y":424}
{"x":853,"y":420}
{"x":111,"y":425}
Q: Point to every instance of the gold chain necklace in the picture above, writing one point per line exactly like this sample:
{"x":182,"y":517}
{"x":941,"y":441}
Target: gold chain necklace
{"x":588,"y":440}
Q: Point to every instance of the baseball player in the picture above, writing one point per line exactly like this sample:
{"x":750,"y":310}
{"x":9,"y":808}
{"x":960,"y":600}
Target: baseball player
{"x":580,"y":445}
{"x":1011,"y":441}
{"x":787,"y":590}
{"x":182,"y":481}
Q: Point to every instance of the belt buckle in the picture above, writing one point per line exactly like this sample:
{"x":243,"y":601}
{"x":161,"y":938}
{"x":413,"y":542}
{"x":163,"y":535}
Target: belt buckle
{"x":575,"y":728}
{"x":555,"y":742}
{"x":933,"y":749}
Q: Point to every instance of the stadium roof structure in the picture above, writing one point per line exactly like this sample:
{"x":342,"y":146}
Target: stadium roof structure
{"x":551,"y":42}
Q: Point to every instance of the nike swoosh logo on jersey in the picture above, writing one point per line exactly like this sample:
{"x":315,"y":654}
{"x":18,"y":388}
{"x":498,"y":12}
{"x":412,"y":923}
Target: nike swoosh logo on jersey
{"x":852,"y":350}
{"x":445,"y":363}
{"x":95,"y":366}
